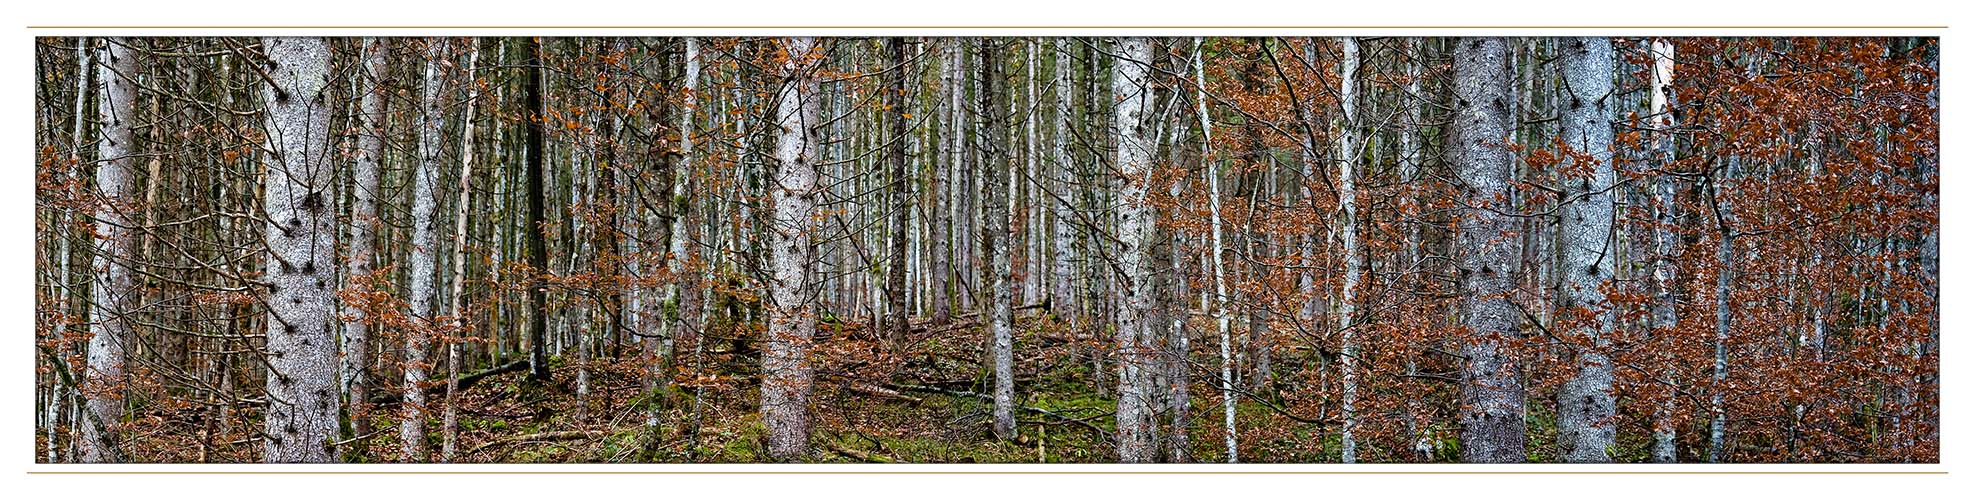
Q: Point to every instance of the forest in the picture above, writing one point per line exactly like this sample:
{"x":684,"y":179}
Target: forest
{"x":1361,"y":249}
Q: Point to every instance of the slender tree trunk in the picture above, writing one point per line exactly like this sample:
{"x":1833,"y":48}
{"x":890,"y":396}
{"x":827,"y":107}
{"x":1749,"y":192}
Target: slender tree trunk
{"x":424,"y":250}
{"x":786,"y":374}
{"x":1220,"y":311}
{"x":1064,"y":286}
{"x":363,"y":234}
{"x":1724,"y":315}
{"x":1665,"y":309}
{"x":896,"y":101}
{"x":1354,"y":261}
{"x":301,"y":383}
{"x":62,"y":395}
{"x":1413,"y":154}
{"x":112,"y":295}
{"x":1491,"y":393}
{"x":1585,"y":404}
{"x":459,"y":323}
{"x":1130,"y":86}
{"x":679,"y":317}
{"x":943,"y":255}
{"x":995,"y":236}
{"x":538,"y":254}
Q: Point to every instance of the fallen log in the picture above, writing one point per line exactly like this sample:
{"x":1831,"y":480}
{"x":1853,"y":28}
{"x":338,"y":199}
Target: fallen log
{"x":439,"y":389}
{"x":859,"y":456}
{"x":539,"y":436}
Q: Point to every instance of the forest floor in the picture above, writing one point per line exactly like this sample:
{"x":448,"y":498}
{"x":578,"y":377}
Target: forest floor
{"x":871,"y":403}
{"x":924,"y":400}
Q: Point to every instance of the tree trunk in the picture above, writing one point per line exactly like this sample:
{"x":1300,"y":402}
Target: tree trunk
{"x":1063,"y":289}
{"x":113,"y":296}
{"x":459,"y":325}
{"x":1354,"y":262}
{"x":943,"y":255}
{"x":1724,"y":312}
{"x":1666,"y":244}
{"x":786,"y":374}
{"x":424,"y":196}
{"x":995,"y":236}
{"x":1220,"y":310}
{"x":538,"y":254}
{"x":896,"y":101}
{"x":1585,"y":404}
{"x":1491,"y":392}
{"x":1131,"y":89}
{"x":301,"y":384}
{"x":363,"y":234}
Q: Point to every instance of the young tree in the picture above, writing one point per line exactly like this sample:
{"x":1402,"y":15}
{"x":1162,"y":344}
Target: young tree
{"x":301,"y":344}
{"x":1220,"y":307}
{"x":897,"y":99}
{"x":1666,"y":250}
{"x":1354,"y":260}
{"x":457,"y":327}
{"x":424,"y":247}
{"x":1062,"y":185}
{"x":363,"y":230}
{"x":538,"y":253}
{"x":995,"y":236}
{"x":786,"y":371}
{"x":1491,"y":393}
{"x":940,"y":184}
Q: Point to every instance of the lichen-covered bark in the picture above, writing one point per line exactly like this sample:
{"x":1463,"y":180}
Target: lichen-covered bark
{"x":896,"y":101}
{"x":1491,"y":394}
{"x":301,"y":345}
{"x":363,"y":229}
{"x":425,"y":179}
{"x":1585,"y":404}
{"x":1063,"y":288}
{"x":786,"y":373}
{"x":1136,"y":354}
{"x":995,"y":237}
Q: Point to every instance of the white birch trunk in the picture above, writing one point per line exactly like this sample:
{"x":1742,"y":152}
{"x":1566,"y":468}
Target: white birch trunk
{"x":1220,"y":311}
{"x":1354,"y":262}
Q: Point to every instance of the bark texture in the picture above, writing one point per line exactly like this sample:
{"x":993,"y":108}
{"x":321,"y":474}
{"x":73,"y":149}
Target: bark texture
{"x":786,"y":372}
{"x":1491,"y":392}
{"x":301,"y":344}
{"x":1585,"y":405}
{"x":1137,"y":356}
{"x":112,"y":298}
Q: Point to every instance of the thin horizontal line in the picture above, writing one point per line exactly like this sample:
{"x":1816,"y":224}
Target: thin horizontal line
{"x":1009,"y":27}
{"x":1006,"y":472}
